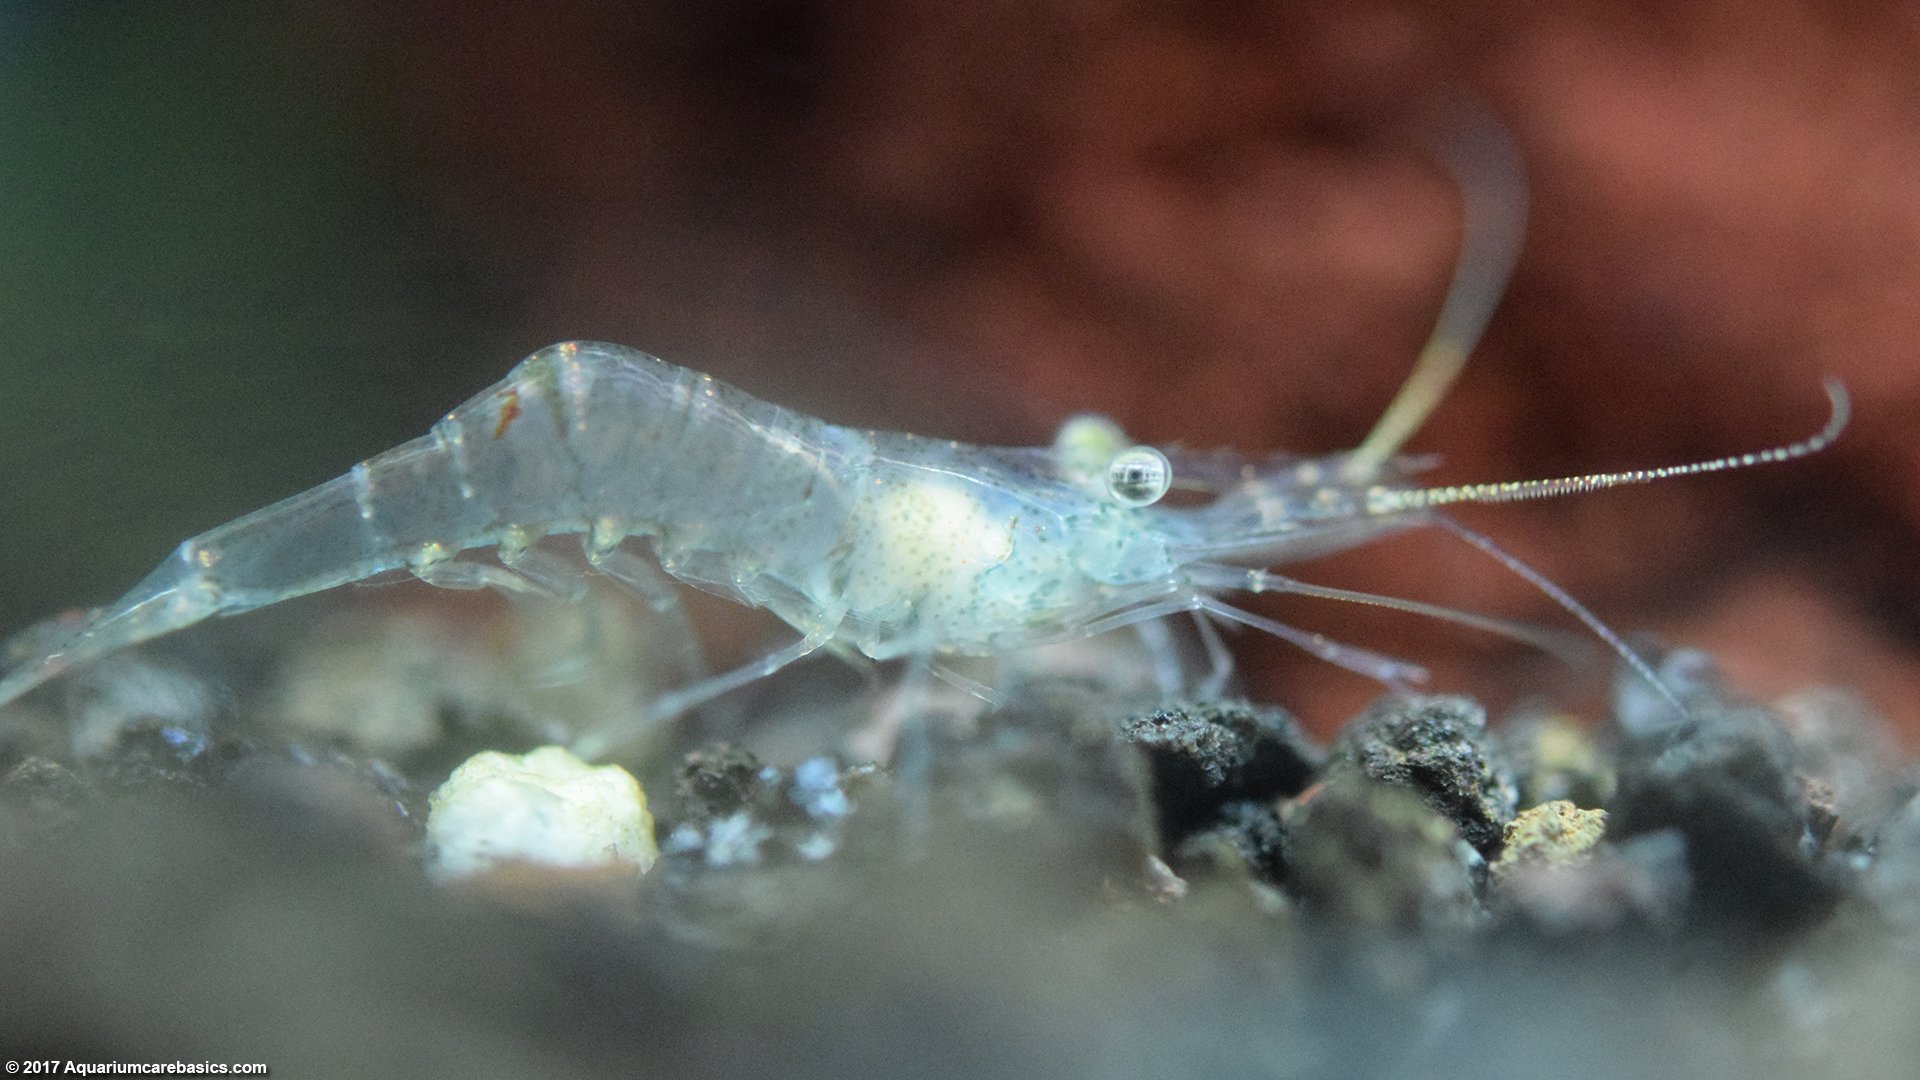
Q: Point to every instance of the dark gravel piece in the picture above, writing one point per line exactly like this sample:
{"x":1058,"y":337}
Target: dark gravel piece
{"x":1210,"y":756}
{"x":1726,"y":781}
{"x":43,"y":782}
{"x":168,"y":756}
{"x":1440,"y":748}
{"x":1248,"y":839}
{"x":1378,"y":855}
{"x":719,"y":780}
{"x":41,"y":796}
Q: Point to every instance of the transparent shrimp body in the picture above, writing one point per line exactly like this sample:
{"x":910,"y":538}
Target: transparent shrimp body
{"x":892,"y":544}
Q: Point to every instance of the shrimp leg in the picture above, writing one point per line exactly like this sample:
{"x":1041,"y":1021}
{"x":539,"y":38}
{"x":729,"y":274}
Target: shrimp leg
{"x":1219,"y":658}
{"x":1565,"y":646}
{"x":1168,"y":675}
{"x":608,"y":738}
{"x":459,"y":574}
{"x":643,"y":579}
{"x":1397,"y":675}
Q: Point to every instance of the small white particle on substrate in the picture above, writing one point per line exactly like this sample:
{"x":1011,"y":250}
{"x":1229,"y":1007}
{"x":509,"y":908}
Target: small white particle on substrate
{"x":735,"y":840}
{"x":816,"y":789}
{"x":546,"y":807}
{"x":815,"y":847}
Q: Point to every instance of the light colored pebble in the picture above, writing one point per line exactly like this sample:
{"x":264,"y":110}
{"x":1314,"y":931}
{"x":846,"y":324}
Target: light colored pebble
{"x":547,"y":807}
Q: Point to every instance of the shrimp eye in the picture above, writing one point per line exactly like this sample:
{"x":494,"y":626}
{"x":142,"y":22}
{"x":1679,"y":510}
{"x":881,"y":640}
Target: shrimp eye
{"x":1138,"y":476}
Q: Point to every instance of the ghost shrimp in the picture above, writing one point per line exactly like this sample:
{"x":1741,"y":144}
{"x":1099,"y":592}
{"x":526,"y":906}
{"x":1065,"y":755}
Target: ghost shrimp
{"x":893,"y":544}
{"x":887,"y":544}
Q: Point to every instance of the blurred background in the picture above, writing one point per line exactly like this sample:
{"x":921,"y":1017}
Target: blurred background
{"x":243,"y":246}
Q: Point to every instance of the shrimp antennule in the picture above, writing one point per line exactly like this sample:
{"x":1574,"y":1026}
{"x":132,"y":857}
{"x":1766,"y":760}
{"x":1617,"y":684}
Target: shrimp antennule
{"x":1493,"y":190}
{"x":1381,"y":501}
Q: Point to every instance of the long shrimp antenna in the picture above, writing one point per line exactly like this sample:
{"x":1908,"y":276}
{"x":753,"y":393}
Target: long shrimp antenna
{"x":1393,"y":501}
{"x":1493,"y":191}
{"x":1567,"y":603}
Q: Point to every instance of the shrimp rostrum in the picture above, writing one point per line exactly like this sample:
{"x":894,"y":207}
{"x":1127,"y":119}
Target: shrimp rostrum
{"x":888,"y":544}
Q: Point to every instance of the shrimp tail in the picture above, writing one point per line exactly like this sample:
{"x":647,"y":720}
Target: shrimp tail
{"x":175,"y":595}
{"x":510,"y":455}
{"x":338,"y":532}
{"x":401,"y":508}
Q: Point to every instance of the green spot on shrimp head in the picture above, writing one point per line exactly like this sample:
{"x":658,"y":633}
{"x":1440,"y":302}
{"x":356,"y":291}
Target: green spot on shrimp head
{"x":1083,"y":448}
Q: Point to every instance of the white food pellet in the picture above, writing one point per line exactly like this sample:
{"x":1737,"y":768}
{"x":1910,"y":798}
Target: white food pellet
{"x":546,"y":807}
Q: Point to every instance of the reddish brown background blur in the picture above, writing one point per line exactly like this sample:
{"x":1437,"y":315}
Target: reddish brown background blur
{"x":1214,"y":221}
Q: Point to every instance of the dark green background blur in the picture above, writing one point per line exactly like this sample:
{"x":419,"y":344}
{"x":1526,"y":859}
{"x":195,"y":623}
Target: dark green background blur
{"x":216,"y":285}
